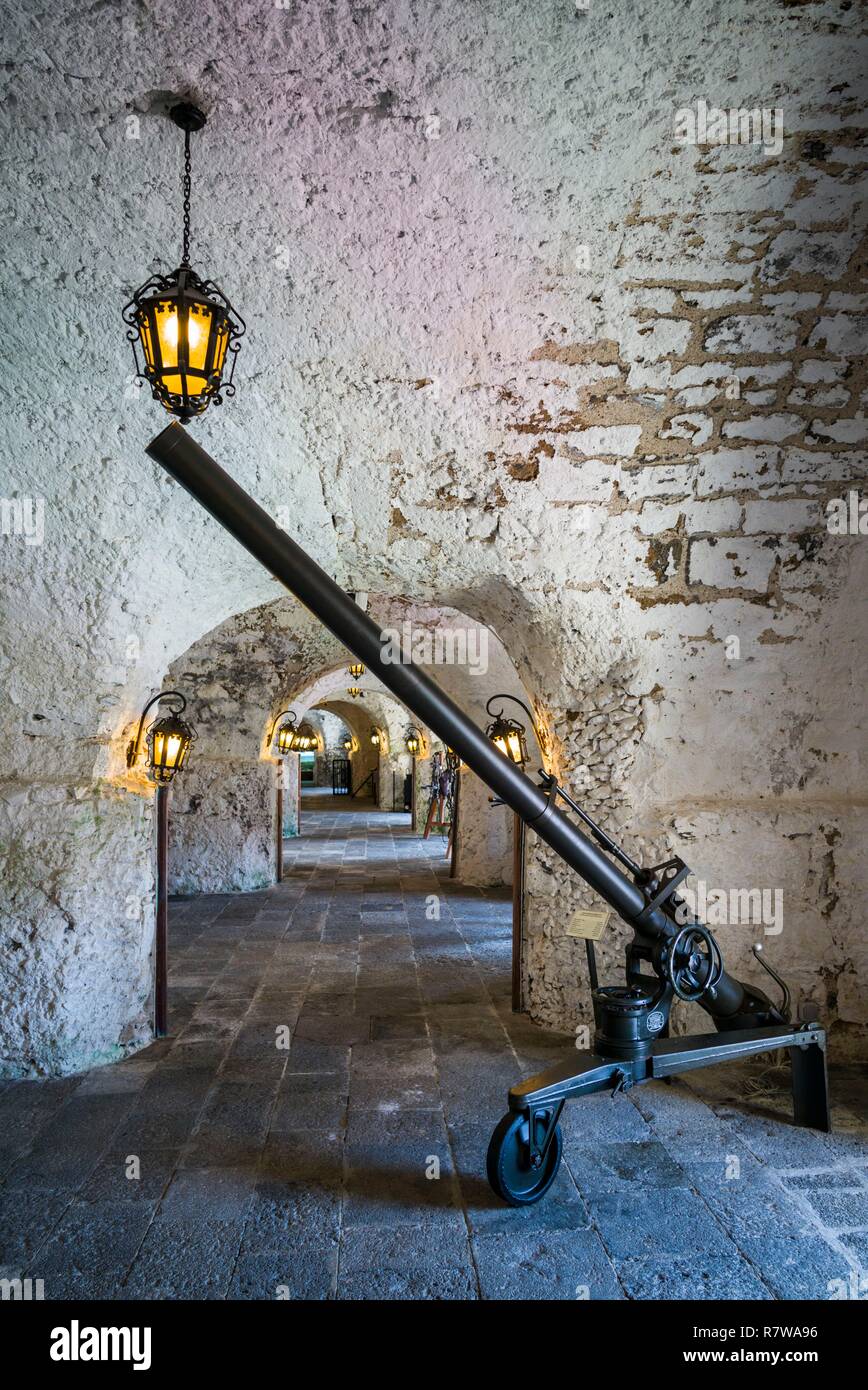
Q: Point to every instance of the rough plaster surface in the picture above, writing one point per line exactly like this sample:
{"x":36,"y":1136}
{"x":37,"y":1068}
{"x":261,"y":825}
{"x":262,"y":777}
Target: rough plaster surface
{"x":484,"y":836}
{"x":497,"y":318}
{"x":78,"y":928}
{"x":290,"y":775}
{"x":223,"y":831}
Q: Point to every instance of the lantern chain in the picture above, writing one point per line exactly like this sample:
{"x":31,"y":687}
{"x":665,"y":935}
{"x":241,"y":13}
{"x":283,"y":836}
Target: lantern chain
{"x":186,"y":184}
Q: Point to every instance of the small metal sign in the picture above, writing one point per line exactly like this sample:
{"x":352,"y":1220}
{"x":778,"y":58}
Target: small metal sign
{"x":588,"y":924}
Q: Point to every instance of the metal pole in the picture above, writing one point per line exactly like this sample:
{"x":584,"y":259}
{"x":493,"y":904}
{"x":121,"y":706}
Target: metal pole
{"x":161,"y":942}
{"x":517,"y":910}
{"x":456,"y":804}
{"x":179,"y":454}
{"x":280,"y":822}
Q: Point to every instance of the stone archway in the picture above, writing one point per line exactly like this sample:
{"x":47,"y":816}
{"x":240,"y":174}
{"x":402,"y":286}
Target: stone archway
{"x":239,"y":679}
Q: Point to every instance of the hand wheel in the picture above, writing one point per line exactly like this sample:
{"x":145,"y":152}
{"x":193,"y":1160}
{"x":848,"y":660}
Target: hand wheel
{"x":692,"y":963}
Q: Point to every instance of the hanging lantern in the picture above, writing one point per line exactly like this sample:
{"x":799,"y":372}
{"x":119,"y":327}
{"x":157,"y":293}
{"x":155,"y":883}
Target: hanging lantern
{"x":168,"y":740}
{"x":184,"y":324}
{"x":412,"y":741}
{"x":356,"y":670}
{"x":354,"y":691}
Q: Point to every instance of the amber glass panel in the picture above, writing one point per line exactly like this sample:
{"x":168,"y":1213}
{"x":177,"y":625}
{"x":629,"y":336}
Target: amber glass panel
{"x":514,"y":748}
{"x":173,"y":384}
{"x":199,"y":328}
{"x":169,"y":750}
{"x":285,"y":736}
{"x":167,"y":331}
{"x":195,"y":385}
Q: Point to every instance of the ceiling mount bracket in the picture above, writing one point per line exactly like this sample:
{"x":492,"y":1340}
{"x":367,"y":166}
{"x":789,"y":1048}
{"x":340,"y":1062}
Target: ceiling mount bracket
{"x":187,"y":116}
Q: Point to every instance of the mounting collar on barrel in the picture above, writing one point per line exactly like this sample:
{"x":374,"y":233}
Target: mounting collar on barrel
{"x":679,"y":873}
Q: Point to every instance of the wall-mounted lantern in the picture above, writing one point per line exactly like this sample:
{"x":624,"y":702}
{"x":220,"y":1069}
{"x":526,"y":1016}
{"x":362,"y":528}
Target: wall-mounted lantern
{"x":354,"y":691}
{"x":508,"y":734}
{"x":305,"y":740}
{"x":356,"y":670}
{"x":285,"y":738}
{"x":185,"y":325}
{"x":286,"y":733}
{"x":348,"y":743}
{"x":376,"y":737}
{"x":168,"y":739}
{"x":168,"y":742}
{"x":413,"y":741}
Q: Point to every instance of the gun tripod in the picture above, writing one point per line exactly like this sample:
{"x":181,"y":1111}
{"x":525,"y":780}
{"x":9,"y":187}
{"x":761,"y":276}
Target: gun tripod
{"x":525,"y":1149}
{"x":632,"y":1043}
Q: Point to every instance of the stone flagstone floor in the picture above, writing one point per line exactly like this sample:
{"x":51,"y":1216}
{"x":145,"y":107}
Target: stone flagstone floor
{"x":311,"y":1173}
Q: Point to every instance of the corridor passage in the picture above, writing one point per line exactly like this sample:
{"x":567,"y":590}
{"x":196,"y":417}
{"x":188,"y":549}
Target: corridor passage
{"x":220,"y":1163}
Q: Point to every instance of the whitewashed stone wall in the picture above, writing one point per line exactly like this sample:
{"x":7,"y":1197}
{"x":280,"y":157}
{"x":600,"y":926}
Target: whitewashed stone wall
{"x":484,"y":836}
{"x":291,"y":794}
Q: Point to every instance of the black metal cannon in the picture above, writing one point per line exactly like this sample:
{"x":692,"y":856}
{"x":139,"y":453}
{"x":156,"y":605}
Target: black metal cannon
{"x":671,"y":955}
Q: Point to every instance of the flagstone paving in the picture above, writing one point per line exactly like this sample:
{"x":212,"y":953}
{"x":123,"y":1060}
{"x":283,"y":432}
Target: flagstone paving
{"x":315,"y":1126}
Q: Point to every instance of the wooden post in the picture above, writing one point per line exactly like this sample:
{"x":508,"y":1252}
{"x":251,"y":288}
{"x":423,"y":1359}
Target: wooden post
{"x":453,"y":834}
{"x":517,"y":910}
{"x":414,"y":819}
{"x":161,"y":943}
{"x":280,"y":771}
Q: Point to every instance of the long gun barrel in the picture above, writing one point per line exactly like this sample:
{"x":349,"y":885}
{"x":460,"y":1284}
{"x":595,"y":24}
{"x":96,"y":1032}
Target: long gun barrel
{"x":178,"y":453}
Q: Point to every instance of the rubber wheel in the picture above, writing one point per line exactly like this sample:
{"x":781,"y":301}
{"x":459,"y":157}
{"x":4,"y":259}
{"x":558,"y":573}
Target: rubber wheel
{"x":509,"y":1172}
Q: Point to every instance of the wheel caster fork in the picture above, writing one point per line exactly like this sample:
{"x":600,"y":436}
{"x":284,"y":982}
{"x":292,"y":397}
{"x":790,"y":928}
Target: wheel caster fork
{"x":525,"y":1153}
{"x":548,"y":1121}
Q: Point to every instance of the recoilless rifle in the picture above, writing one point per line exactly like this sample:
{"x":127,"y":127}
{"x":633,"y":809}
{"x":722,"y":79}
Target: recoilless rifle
{"x":671,"y":956}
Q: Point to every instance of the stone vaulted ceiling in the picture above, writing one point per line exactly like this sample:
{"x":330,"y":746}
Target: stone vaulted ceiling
{"x":393,"y":195}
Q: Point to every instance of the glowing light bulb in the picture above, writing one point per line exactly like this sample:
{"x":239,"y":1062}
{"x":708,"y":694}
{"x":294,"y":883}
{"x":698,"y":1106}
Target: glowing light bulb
{"x":171,"y":331}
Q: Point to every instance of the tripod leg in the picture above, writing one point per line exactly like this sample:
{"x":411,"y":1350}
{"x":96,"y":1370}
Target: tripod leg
{"x":811,"y":1087}
{"x":664,"y":1033}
